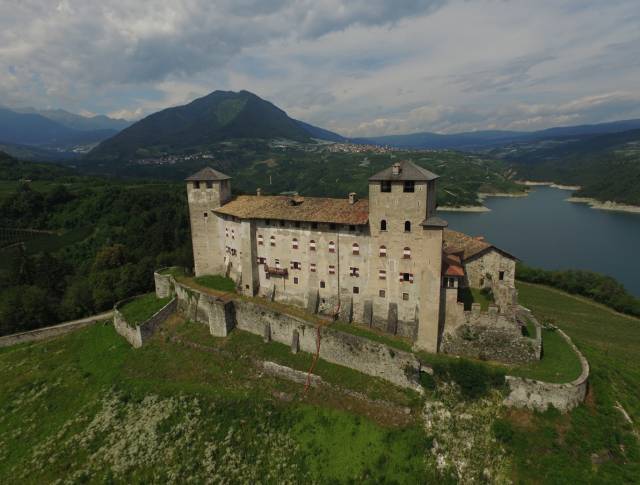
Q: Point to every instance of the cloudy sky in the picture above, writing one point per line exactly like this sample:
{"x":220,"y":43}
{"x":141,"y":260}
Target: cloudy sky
{"x":360,"y":67}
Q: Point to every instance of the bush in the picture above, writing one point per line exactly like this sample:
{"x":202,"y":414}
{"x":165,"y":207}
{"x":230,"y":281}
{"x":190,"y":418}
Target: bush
{"x":475,"y":380}
{"x":503,"y":431}
{"x":595,"y":286}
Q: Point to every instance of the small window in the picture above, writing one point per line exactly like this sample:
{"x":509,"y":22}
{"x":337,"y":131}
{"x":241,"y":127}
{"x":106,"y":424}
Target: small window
{"x":332,"y":269}
{"x":406,"y":277}
{"x":312,"y":245}
{"x":385,"y":186}
{"x":501,"y":276}
{"x":482,"y":282}
{"x":233,"y":234}
{"x":382,"y":293}
{"x":322,"y":284}
{"x":356,"y":290}
{"x":272,"y":241}
{"x":354,"y":272}
{"x":356,"y":248}
{"x":332,"y":247}
{"x":406,"y":253}
{"x":196,"y":185}
{"x":296,"y":265}
{"x":277,"y":263}
{"x":407,"y":226}
{"x":294,"y":243}
{"x":383,"y":225}
{"x":405,"y":296}
{"x":312,"y":267}
{"x":383,"y":251}
{"x":209,"y":184}
{"x":205,"y":215}
{"x":295,"y":280}
{"x":332,"y":226}
{"x":226,"y":232}
{"x":382,"y":274}
{"x":282,"y":223}
{"x":409,"y":186}
{"x":352,"y":228}
{"x":262,"y":260}
{"x":260,"y":240}
{"x":314,"y":225}
{"x":267,"y":222}
{"x":297,"y":224}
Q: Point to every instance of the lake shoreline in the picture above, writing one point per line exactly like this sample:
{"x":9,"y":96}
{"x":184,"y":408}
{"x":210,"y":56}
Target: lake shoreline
{"x":533,"y":183}
{"x":607,"y":205}
{"x":464,"y":208}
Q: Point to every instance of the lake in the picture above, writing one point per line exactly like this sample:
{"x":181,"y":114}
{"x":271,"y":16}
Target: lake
{"x":545,"y":231}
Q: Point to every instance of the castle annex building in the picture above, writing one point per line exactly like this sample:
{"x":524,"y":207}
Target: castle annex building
{"x":387,"y":261}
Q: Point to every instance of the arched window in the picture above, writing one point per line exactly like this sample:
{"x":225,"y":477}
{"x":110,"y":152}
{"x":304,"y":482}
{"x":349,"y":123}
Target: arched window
{"x":294,"y":243}
{"x":272,"y":240}
{"x":332,"y":247}
{"x":406,"y":253}
{"x":383,"y":251}
{"x":312,"y":245}
{"x":356,"y":248}
{"x":407,"y":226}
{"x":383,"y":225}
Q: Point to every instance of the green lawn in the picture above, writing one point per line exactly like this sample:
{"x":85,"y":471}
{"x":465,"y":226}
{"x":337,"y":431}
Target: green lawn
{"x":593,"y":444}
{"x":559,"y":362}
{"x":362,"y":331}
{"x":140,"y":309}
{"x":474,"y":295}
{"x":175,"y":271}
{"x":216,"y":282}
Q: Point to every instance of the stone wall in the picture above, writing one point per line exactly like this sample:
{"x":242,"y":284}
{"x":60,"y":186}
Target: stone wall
{"x":164,"y":286}
{"x":52,"y":331}
{"x":489,"y":335}
{"x":538,"y":395}
{"x":136,"y":335}
{"x":369,"y":357}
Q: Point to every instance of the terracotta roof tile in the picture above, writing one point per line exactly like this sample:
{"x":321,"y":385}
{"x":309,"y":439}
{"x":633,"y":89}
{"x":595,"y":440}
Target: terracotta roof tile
{"x":467,"y":246}
{"x":305,"y":209}
{"x":408,"y":171}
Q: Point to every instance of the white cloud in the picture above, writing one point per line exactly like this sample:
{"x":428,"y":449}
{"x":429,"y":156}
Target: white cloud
{"x":361,"y":67}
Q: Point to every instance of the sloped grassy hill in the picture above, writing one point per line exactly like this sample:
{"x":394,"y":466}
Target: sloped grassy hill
{"x":87,"y":407}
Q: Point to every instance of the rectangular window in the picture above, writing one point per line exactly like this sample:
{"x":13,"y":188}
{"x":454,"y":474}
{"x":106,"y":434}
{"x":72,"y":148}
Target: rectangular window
{"x":314,"y":225}
{"x":354,"y":272}
{"x":209,"y":184}
{"x":295,"y":280}
{"x":312,"y":267}
{"x":409,"y":186}
{"x":385,"y":186}
{"x":260,"y":240}
{"x":297,"y":224}
{"x":382,"y":293}
{"x":382,"y":274}
{"x":205,"y":215}
{"x":406,"y":277}
{"x":405,"y":296}
{"x":262,"y":260}
{"x":352,"y":228}
{"x":296,"y":265}
{"x":332,"y":269}
{"x":282,"y":223}
{"x":332,"y":226}
{"x":501,"y":276}
{"x":196,"y":185}
{"x":267,"y":222}
{"x":356,"y":290}
{"x":322,"y":284}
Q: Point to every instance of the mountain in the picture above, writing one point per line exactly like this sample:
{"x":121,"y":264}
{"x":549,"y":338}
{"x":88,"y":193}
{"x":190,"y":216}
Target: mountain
{"x":321,"y":133}
{"x":482,"y":140}
{"x":37,"y":130}
{"x":219,"y":116}
{"x":79,"y":122}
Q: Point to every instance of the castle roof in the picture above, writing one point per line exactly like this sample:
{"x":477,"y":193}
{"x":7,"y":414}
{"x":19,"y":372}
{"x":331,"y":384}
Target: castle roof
{"x":304,"y":209}
{"x":408,"y":171}
{"x":207,"y":174}
{"x":452,"y":265}
{"x":454,"y":242}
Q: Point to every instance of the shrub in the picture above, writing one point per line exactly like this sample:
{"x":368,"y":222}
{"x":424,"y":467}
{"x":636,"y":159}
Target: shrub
{"x":503,"y":431}
{"x":475,"y":380}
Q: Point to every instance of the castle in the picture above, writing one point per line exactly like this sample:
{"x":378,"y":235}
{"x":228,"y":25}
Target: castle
{"x":387,"y":261}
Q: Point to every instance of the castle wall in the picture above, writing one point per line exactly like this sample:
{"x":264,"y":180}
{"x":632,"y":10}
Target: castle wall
{"x":137,"y":335}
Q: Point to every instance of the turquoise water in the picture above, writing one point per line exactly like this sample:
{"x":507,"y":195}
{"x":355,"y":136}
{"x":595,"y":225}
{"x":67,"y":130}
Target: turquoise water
{"x":545,"y":231}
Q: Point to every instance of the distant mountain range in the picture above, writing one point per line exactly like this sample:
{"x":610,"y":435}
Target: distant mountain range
{"x":52,"y":134}
{"x":216,"y":117}
{"x":482,"y":140}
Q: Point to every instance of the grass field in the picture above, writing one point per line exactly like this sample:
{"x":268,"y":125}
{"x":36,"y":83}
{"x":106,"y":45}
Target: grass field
{"x":140,"y":309}
{"x":88,"y":408}
{"x":216,"y":282}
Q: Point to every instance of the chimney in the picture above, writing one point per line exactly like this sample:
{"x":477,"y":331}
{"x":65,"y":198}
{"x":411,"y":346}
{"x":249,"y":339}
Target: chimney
{"x":352,"y":198}
{"x":258,"y":191}
{"x":395,"y":169}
